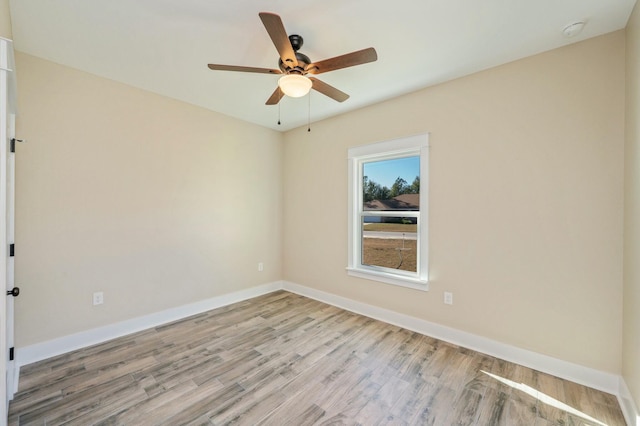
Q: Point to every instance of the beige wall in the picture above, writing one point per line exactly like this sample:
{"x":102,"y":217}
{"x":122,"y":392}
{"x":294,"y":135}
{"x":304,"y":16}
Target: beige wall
{"x":152,"y":201}
{"x":5,"y":20}
{"x":631,"y":336}
{"x":526,"y":200}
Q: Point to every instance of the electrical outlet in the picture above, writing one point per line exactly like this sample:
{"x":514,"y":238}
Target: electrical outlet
{"x":98,"y":298}
{"x":448,"y":298}
{"x":260,"y":266}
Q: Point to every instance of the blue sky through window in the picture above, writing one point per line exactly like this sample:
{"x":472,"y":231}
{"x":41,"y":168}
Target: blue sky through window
{"x":386,"y":172}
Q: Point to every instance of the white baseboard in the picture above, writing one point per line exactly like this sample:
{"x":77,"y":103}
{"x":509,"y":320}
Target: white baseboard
{"x":596,"y":379}
{"x":40,"y":351}
{"x":629,"y":408}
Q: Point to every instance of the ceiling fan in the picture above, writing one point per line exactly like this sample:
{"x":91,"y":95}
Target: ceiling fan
{"x":295,"y":66}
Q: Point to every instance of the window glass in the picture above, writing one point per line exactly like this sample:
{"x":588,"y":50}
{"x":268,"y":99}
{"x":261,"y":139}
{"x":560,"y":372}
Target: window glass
{"x":390,"y":242}
{"x":391,"y":184}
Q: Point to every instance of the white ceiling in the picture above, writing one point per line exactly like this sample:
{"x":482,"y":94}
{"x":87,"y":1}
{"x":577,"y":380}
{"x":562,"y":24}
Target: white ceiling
{"x":164,"y":46}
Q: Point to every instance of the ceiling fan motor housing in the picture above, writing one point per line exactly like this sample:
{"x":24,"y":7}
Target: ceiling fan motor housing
{"x":303,"y":62}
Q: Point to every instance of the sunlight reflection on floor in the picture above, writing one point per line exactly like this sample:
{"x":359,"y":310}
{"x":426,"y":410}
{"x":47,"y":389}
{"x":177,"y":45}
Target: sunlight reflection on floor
{"x":544,"y":398}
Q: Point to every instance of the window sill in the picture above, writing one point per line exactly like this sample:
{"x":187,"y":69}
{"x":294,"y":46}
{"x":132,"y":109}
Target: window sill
{"x":414,"y":283}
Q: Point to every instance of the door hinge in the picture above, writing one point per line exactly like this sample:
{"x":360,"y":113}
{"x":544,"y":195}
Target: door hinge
{"x":11,"y":355}
{"x":12,"y":250}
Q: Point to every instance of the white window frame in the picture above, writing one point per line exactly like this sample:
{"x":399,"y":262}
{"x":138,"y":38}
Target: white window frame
{"x":387,"y":150}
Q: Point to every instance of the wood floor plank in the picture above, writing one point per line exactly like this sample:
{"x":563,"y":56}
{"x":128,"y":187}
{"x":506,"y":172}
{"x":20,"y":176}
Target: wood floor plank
{"x":551,"y":395}
{"x":521,"y":409}
{"x":284,"y":359}
{"x":76,"y":405}
{"x":348,"y":394}
{"x":201,"y":402}
{"x":437,"y":408}
{"x":493,"y":410}
{"x":166,"y":411}
{"x":149,"y":407}
{"x":466,"y":408}
{"x":250,"y":409}
{"x":378,"y":407}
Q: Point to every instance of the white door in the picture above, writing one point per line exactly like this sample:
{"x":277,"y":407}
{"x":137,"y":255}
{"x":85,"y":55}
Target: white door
{"x":12,"y":290}
{"x":7,"y":111}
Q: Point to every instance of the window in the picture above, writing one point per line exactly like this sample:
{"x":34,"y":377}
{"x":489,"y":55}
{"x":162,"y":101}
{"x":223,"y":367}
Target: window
{"x":388,"y":220}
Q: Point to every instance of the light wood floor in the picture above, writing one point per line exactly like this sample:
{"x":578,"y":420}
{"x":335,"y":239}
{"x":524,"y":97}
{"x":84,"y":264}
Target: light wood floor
{"x":282,"y":359}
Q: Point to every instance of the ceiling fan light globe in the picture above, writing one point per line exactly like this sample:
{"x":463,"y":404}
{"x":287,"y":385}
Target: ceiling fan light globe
{"x":294,"y":85}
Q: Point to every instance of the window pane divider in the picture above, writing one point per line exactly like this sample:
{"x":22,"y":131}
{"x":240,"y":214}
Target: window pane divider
{"x":394,"y":213}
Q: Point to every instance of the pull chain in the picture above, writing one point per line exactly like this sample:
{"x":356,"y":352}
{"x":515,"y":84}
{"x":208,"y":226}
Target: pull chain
{"x":309,"y":115}
{"x":279,"y":107}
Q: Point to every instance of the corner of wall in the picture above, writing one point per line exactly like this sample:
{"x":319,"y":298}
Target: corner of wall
{"x":629,"y":409}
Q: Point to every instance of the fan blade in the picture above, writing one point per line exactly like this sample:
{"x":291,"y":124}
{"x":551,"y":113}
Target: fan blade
{"x":278,"y":34}
{"x":350,"y":59}
{"x":275,"y":97}
{"x":328,"y":90}
{"x":243,"y":69}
